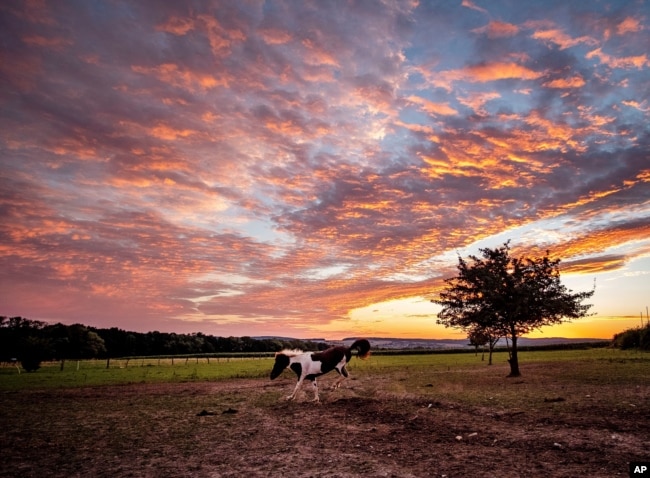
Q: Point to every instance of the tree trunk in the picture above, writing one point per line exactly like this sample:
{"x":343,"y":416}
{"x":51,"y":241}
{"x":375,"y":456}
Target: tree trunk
{"x":492,"y":342}
{"x":514,"y":359}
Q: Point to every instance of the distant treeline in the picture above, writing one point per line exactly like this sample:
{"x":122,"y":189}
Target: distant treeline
{"x":474,"y":350}
{"x":32,"y":342}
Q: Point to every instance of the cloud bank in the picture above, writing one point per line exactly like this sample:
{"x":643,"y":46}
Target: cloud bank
{"x":269,"y":167}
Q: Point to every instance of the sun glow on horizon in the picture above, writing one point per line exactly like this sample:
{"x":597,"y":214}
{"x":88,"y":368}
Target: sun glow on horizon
{"x":416,"y":318}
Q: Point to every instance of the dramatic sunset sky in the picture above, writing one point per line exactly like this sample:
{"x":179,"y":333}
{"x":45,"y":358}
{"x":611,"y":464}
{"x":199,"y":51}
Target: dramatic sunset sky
{"x":315,"y":168}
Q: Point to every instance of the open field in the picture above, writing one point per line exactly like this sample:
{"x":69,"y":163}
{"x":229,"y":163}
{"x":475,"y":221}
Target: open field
{"x":572,"y":413}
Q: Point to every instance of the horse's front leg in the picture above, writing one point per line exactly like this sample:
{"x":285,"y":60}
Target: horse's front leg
{"x":295,"y":390}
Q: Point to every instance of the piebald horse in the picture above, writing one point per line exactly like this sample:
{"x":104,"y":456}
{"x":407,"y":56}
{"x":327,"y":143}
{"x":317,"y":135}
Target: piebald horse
{"x":309,"y":365}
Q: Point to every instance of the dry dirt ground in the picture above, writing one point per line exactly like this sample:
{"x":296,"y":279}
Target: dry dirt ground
{"x":245,"y":428}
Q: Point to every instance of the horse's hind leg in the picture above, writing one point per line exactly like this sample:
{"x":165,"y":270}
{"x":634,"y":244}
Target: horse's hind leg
{"x":315,"y":385}
{"x":343,"y":375}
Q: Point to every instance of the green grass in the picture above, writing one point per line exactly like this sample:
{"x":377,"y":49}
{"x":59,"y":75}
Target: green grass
{"x":409,"y":373}
{"x":95,"y":373}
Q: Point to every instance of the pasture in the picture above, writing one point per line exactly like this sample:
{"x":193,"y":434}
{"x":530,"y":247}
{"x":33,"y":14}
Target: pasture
{"x":572,"y":413}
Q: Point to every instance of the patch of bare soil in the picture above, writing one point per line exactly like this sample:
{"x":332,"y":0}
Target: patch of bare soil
{"x":245,"y":428}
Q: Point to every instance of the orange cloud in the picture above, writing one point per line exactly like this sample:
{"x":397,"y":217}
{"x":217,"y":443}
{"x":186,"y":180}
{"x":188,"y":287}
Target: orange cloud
{"x":499,"y":71}
{"x":552,"y":135}
{"x":432,"y":108}
{"x":53,"y":43}
{"x":587,"y":199}
{"x":643,"y":106}
{"x":593,"y":265}
{"x":274,"y":36}
{"x":177,"y":26}
{"x":627,"y":62}
{"x":220,"y":36}
{"x":496,"y":29}
{"x":482,"y":73}
{"x":419,"y":128}
{"x":317,"y":55}
{"x":644,"y":176}
{"x":186,"y":79}
{"x":574,"y":82}
{"x":162,"y":131}
{"x":598,"y":241}
{"x":561,"y":39}
{"x":476,"y":101}
{"x":594,"y":121}
{"x":285,"y":127}
{"x":377,"y":98}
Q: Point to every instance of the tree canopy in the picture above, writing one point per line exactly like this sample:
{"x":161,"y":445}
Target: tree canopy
{"x":508,"y":296}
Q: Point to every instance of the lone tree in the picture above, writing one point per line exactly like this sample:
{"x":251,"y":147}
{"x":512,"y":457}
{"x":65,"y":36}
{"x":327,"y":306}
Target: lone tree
{"x":508,"y":296}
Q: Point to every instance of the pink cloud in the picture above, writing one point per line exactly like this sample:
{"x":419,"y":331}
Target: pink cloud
{"x":629,"y":25}
{"x":177,"y":25}
{"x":473,"y":6}
{"x":274,"y":36}
{"x":54,"y":43}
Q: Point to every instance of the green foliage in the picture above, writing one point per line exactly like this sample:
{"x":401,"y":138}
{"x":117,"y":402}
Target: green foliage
{"x":32,"y":353}
{"x":506,"y":296}
{"x":637,"y":338}
{"x":21,"y":339}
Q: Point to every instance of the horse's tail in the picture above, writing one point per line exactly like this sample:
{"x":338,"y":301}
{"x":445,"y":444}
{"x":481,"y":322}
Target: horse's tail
{"x":362,"y":347}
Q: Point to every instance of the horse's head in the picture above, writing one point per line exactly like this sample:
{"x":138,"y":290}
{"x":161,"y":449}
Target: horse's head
{"x":281,"y":362}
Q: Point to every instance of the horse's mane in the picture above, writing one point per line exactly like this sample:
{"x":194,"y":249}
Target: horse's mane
{"x":290,"y":352}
